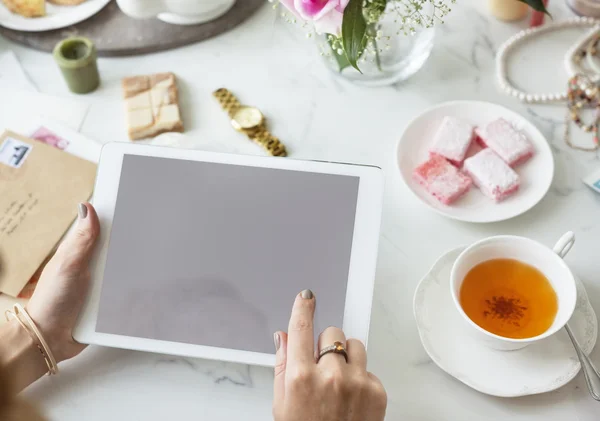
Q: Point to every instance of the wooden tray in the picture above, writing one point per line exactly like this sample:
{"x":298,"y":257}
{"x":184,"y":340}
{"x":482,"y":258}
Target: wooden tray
{"x":116,"y":34}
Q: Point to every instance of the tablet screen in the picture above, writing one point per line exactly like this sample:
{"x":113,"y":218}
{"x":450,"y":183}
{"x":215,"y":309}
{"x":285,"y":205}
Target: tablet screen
{"x":214,"y":254}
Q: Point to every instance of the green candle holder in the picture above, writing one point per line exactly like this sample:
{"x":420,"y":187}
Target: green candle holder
{"x":76,"y":57}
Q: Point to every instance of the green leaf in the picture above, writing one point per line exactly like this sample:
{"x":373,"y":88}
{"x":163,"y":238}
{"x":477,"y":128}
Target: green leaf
{"x":373,"y":10}
{"x":380,"y":5}
{"x":536,"y":5}
{"x":341,"y":59}
{"x":354,"y":27}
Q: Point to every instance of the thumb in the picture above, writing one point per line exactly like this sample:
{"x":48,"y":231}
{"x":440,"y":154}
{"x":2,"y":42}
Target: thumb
{"x":78,"y":245}
{"x":280,"y":367}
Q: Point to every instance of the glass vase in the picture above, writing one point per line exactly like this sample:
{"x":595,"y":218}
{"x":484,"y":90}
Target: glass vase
{"x":392,"y":58}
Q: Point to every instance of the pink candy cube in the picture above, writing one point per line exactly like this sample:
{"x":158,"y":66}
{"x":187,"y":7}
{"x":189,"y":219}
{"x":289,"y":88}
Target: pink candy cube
{"x":442,"y":179}
{"x":452,"y":140}
{"x":492,"y":175}
{"x":509,"y":143}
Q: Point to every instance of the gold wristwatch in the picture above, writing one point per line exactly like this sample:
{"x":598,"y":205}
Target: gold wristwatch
{"x":250,"y":121}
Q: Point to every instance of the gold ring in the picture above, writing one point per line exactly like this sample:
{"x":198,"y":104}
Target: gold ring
{"x":336,"y":348}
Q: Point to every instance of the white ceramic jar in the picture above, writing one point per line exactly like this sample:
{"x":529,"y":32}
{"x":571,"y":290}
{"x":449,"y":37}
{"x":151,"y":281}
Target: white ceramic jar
{"x":178,"y":12}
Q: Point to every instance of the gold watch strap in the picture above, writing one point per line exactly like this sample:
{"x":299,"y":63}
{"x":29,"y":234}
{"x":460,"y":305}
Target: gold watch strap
{"x":271,"y":143}
{"x":227,"y":100}
{"x":259,"y":135}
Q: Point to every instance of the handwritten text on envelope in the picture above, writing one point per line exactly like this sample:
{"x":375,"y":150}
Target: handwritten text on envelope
{"x":40,"y":187}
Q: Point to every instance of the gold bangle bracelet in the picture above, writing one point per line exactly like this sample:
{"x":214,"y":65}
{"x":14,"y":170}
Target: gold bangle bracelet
{"x":35,"y":334}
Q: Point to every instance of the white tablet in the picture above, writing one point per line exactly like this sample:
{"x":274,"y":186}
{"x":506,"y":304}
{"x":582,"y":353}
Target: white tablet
{"x":202,"y":254}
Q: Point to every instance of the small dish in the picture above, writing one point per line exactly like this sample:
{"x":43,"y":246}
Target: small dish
{"x":541,"y":367}
{"x":56,"y":16}
{"x":536,"y":174}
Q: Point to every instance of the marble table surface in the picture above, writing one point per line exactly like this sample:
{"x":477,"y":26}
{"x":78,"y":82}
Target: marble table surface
{"x":270,"y":64}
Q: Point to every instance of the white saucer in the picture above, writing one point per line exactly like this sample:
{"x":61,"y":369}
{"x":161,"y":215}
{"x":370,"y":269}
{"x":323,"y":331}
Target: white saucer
{"x":56,"y":17}
{"x":536,"y":174}
{"x":538,"y":368}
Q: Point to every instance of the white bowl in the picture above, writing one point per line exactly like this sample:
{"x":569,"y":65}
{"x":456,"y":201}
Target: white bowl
{"x":546,"y":260}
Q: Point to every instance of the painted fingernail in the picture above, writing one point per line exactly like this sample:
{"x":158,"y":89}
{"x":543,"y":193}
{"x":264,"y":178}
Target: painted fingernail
{"x":82,"y":210}
{"x":307,"y":294}
{"x":277,"y":340}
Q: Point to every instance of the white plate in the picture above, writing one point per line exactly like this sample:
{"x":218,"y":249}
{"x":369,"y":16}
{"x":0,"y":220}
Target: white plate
{"x":538,"y":368}
{"x":56,"y":16}
{"x":536,"y":174}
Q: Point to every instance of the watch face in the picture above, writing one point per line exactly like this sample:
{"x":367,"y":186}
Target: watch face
{"x":247,"y":118}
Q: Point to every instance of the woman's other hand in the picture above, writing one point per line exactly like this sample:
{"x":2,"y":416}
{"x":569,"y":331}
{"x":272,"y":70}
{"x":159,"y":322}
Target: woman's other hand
{"x":329,"y":389}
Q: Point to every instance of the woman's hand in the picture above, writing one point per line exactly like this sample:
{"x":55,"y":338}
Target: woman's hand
{"x":54,"y":307}
{"x":330,"y":389}
{"x":63,"y":286}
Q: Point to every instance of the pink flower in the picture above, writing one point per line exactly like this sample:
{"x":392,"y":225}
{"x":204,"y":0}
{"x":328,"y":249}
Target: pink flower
{"x":326,"y":15}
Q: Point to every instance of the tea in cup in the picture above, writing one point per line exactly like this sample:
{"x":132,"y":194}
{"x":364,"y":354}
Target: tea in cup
{"x":513,"y":291}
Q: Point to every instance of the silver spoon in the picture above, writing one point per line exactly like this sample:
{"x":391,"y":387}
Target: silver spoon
{"x":592,"y":377}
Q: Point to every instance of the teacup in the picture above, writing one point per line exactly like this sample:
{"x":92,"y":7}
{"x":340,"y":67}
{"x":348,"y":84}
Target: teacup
{"x":548,"y":261}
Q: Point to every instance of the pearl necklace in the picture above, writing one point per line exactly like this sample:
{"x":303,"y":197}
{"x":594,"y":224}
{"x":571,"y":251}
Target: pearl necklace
{"x":508,"y":46}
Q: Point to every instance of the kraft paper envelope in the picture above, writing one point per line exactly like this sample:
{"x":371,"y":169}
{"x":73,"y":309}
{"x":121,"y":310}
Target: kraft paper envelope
{"x":40,"y":187}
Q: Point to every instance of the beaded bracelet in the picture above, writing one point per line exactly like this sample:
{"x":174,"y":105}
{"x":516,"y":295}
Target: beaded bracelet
{"x":30,"y":327}
{"x":582,"y":93}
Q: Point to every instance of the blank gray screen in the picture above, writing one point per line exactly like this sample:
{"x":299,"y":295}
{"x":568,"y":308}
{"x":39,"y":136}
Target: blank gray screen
{"x":214,"y":254}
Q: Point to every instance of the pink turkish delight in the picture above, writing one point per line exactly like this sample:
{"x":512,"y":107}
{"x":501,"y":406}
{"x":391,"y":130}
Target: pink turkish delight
{"x":452,"y":140}
{"x":494,"y":177}
{"x":442,"y":179}
{"x":509,"y":143}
